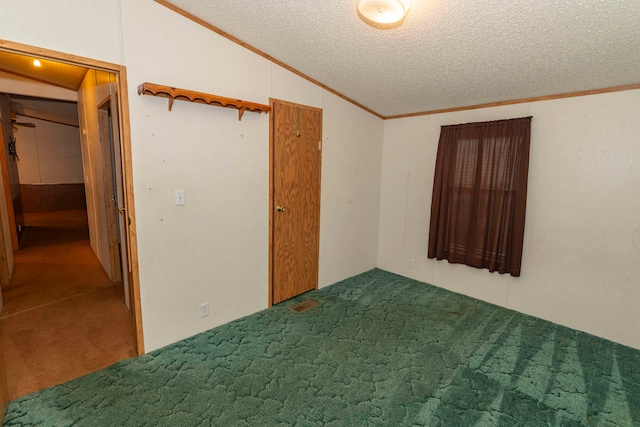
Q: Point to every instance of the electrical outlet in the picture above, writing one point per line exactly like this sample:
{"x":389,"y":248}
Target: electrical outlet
{"x":204,"y":309}
{"x":179,"y":197}
{"x":410,"y":262}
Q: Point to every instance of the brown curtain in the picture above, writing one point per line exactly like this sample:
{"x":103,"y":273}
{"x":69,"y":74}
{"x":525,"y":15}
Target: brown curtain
{"x":480,"y":194}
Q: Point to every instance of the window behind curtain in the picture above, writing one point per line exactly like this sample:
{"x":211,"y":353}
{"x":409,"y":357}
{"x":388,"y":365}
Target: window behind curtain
{"x":480,"y":193}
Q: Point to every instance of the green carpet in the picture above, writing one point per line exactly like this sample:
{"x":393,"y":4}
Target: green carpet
{"x":378,"y":350}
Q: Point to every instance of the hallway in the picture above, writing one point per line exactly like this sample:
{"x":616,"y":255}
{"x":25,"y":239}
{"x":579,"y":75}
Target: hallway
{"x":62,"y":317}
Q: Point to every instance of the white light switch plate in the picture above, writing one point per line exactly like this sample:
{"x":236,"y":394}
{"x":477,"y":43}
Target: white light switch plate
{"x":179,"y":197}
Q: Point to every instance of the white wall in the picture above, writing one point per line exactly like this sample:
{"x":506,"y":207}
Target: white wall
{"x":350,"y":199}
{"x":49,"y":153}
{"x":582,"y":235}
{"x":87,"y":28}
{"x":215,"y":248}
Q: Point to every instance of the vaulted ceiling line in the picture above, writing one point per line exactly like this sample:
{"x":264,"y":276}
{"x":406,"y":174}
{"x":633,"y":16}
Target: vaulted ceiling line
{"x":263,"y":54}
{"x":491,"y":103}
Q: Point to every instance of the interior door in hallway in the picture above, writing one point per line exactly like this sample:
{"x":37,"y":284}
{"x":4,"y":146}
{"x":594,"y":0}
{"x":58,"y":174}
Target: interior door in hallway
{"x":114,"y":192}
{"x":296,"y":158}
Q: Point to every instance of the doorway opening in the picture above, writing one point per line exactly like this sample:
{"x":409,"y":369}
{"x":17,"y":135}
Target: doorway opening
{"x":77,"y":261}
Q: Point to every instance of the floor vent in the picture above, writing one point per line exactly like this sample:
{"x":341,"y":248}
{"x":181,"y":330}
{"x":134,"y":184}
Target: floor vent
{"x":304,"y":306}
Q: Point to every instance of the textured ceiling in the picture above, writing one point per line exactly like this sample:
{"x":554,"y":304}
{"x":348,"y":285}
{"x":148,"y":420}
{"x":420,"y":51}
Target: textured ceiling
{"x":447,"y":53}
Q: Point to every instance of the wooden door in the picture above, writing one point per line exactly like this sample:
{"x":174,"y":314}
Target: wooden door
{"x":7,"y":164}
{"x":104,"y":124}
{"x":121,"y":215}
{"x":114,"y":193}
{"x":4,"y":257}
{"x":296,"y":142}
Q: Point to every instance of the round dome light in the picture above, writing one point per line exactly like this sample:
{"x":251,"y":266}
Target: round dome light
{"x":383,"y":11}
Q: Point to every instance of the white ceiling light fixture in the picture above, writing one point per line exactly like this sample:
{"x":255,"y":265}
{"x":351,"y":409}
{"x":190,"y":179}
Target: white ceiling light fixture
{"x":383,"y":12}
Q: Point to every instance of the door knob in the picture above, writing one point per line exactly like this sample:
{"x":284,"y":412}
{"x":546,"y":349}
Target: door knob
{"x":280,"y":209}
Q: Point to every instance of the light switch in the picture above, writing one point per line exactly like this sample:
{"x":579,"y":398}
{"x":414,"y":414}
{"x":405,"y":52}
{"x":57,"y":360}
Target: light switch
{"x":179,"y":197}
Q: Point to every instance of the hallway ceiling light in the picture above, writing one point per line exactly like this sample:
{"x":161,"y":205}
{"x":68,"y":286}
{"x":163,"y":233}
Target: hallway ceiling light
{"x":383,"y":11}
{"x":37,"y":63}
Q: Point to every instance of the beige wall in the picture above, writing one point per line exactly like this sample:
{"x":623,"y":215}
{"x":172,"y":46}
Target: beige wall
{"x":582,"y":238}
{"x":351,"y":173}
{"x":50,"y":153}
{"x":86,"y":28}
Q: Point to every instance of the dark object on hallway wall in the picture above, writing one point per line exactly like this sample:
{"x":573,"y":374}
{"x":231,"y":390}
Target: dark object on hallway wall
{"x":12,"y":149}
{"x":52,"y":197}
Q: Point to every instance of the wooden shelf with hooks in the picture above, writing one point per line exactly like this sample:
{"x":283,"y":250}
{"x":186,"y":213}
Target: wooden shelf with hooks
{"x":202,"y":98}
